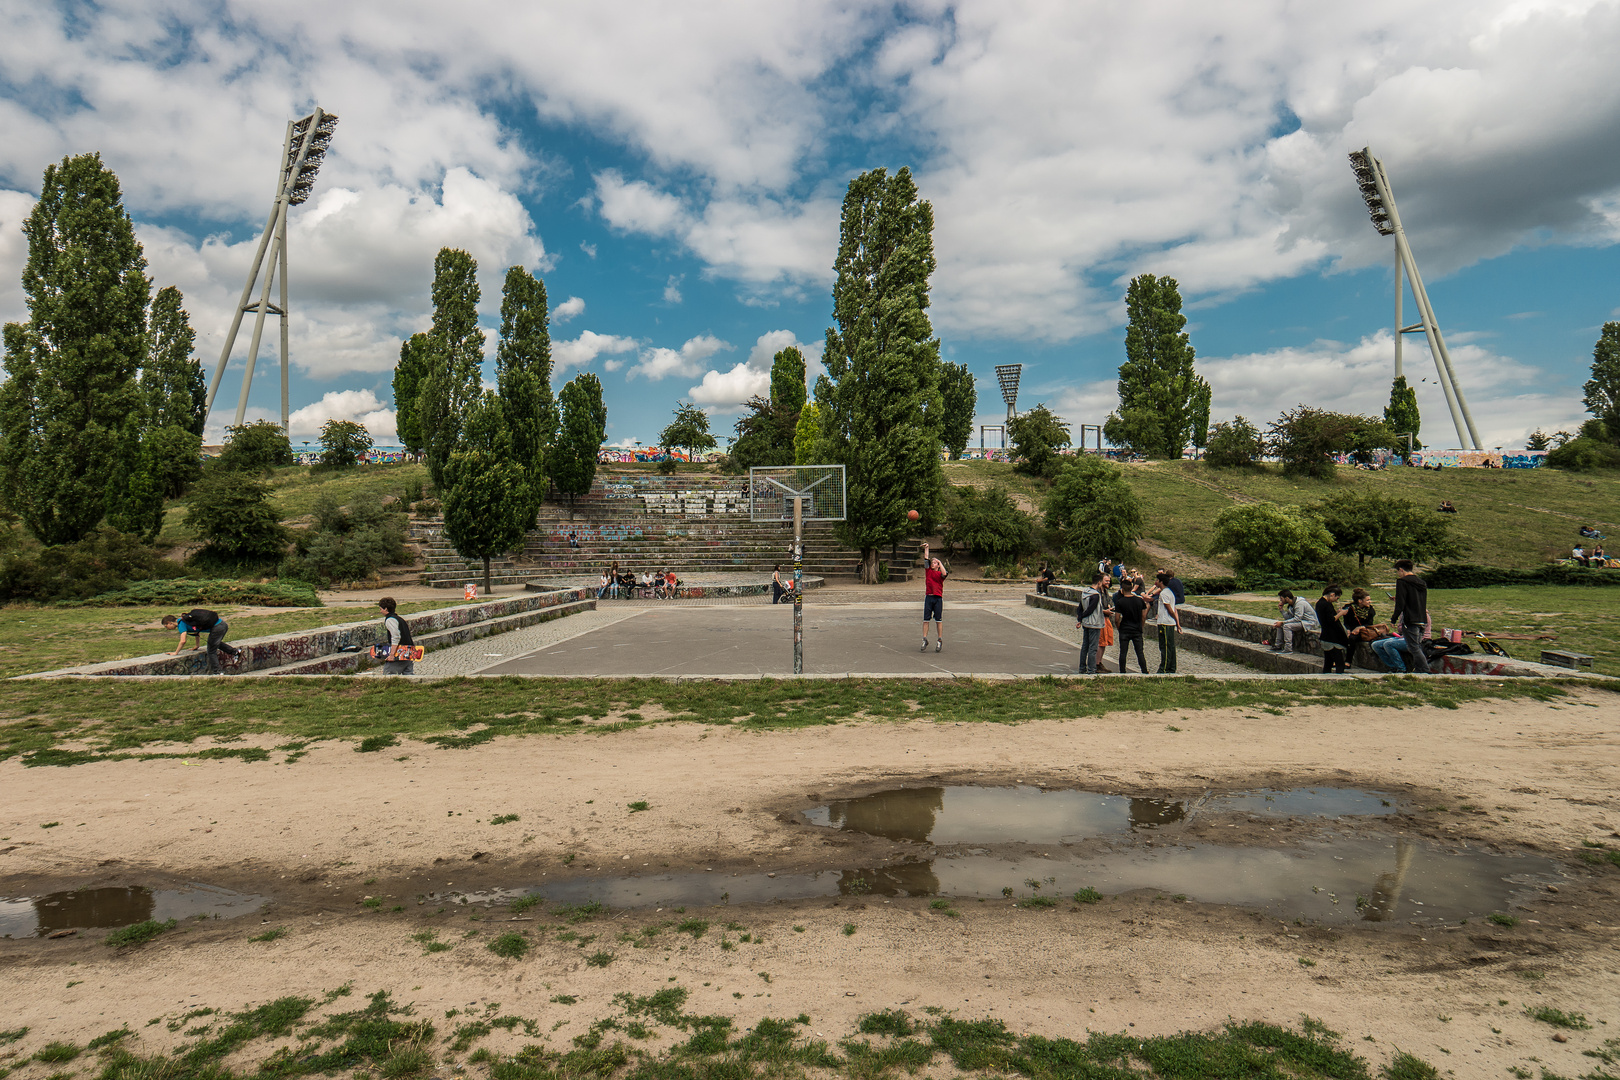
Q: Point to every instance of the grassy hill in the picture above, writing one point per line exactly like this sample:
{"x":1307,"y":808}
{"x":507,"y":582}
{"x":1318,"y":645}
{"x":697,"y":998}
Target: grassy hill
{"x":1510,"y":517}
{"x":296,"y":488}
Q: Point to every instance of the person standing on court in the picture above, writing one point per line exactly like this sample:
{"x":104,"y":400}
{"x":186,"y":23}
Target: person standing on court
{"x":1168,"y":611}
{"x":1411,"y":615}
{"x":1089,"y":618}
{"x":202,"y":621}
{"x":934,"y":599}
{"x":1130,"y":610}
{"x":398,"y":634}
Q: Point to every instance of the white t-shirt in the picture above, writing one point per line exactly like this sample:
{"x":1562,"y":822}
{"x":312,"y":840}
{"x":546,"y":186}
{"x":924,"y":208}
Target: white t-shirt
{"x":1167,"y":608}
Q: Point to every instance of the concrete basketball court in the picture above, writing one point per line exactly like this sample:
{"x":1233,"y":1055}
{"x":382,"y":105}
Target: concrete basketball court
{"x":857,"y":639}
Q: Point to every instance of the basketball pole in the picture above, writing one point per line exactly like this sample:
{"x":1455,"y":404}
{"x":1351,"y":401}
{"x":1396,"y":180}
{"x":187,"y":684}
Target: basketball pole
{"x":798,"y":584}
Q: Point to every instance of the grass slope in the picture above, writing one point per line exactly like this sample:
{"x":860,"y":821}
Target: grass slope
{"x":296,"y":489}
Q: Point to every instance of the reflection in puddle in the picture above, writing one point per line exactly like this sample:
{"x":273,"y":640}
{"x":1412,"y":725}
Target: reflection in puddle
{"x":990,"y":815}
{"x":112,"y":907}
{"x":1339,"y":882}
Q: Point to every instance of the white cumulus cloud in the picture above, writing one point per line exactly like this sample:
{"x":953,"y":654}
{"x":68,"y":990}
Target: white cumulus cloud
{"x":360,"y":406}
{"x":588,"y":346}
{"x":568,"y":309}
{"x":659,"y":363}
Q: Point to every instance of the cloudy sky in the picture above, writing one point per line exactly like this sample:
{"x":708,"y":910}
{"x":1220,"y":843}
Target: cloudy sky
{"x":674,"y":173}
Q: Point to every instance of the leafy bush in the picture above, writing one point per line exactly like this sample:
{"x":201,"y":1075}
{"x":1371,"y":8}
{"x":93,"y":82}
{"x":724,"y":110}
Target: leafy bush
{"x":1093,"y":510}
{"x":1268,"y":538}
{"x":343,"y":444}
{"x":104,"y":561}
{"x":211,"y":592}
{"x":1466,"y":576}
{"x":232,"y":513}
{"x":347,"y":545}
{"x":1365,"y":523}
{"x":989,"y":524}
{"x":1210,"y":586}
{"x":177,"y":457}
{"x":1234,"y":444}
{"x":1037,"y":436}
{"x":254,"y":448}
{"x":1585,"y":455}
{"x":1304,"y":437}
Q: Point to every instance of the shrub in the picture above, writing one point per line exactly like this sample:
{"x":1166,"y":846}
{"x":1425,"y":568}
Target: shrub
{"x":1270,"y":539}
{"x":1304,"y":438}
{"x":347,"y":544}
{"x":1234,"y":444}
{"x":1093,"y":510}
{"x":1370,"y":523}
{"x":231,"y":512}
{"x":209,"y":592}
{"x":988,"y":524}
{"x":343,"y":444}
{"x":1585,"y":455}
{"x":1037,"y":436}
{"x":103,"y":561}
{"x":254,"y":448}
{"x":512,"y":945}
{"x":177,"y":459}
{"x":1466,"y":576}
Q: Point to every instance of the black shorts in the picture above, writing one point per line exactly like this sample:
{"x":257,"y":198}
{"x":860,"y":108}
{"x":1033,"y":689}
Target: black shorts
{"x":934,"y":608}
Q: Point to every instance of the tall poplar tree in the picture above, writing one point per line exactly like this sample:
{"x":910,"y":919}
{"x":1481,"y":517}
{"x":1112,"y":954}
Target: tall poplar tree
{"x":71,"y":410}
{"x":961,"y":398}
{"x":1602,"y":390}
{"x":523,"y":376}
{"x":415,"y":360}
{"x":176,"y":391}
{"x":1157,"y":382}
{"x":455,"y":359}
{"x":584,"y":423}
{"x":485,"y":513}
{"x":1401,"y":414}
{"x":788,"y":392}
{"x":880,"y":405}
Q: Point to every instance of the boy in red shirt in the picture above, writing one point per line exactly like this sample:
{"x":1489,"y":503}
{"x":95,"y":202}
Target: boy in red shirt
{"x":934,"y":600}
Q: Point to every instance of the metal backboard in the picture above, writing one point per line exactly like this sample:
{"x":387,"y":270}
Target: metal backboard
{"x":771,"y":491}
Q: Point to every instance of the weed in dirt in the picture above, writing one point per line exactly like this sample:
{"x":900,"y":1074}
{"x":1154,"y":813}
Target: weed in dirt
{"x":599,"y":959}
{"x":564,"y":999}
{"x":109,"y":1038}
{"x":525,"y":902}
{"x":50,"y":824}
{"x":1558,"y":1017}
{"x":578,"y":913}
{"x":1502,"y":919}
{"x":503,"y":819}
{"x":373,"y":743}
{"x":273,"y":934}
{"x":1087,"y":895}
{"x":1404,"y":1066}
{"x":696,"y":927}
{"x":849,"y":929}
{"x":139,"y":933}
{"x":1037,"y":902}
{"x":11,"y":1036}
{"x":887,"y":1022}
{"x":1305,"y":961}
{"x":511,"y":945}
{"x":54,"y":1052}
{"x":372,"y":902}
{"x":639,"y":805}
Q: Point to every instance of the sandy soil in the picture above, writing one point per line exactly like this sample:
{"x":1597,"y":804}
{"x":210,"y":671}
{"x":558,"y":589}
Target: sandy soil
{"x":310,"y":835}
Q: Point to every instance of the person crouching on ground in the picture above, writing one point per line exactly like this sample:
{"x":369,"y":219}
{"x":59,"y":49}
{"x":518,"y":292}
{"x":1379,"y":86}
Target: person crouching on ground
{"x":398,"y":634}
{"x":934,"y":600}
{"x":1335,"y":642}
{"x":201,"y":621}
{"x":1298,"y":616}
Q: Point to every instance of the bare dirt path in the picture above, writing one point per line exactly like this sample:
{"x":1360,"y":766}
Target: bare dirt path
{"x":319,"y":835}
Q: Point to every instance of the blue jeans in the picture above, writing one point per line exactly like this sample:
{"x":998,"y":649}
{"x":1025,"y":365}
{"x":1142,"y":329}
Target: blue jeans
{"x":1414,"y":636}
{"x":1389,"y":650}
{"x":1088,"y":649}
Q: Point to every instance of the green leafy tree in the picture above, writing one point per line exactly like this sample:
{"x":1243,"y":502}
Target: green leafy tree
{"x":455,"y":359}
{"x":177,"y":459}
{"x":880,"y":405}
{"x":988,"y":524}
{"x":1200,"y":414}
{"x":1372,"y":524}
{"x":584,"y":423}
{"x":1304,"y":439}
{"x":1537,"y":440}
{"x":766,"y":434}
{"x":787,"y":381}
{"x":254,"y":448}
{"x":71,"y":409}
{"x":176,"y":391}
{"x":231,"y":512}
{"x":1267,"y":538}
{"x":1401,"y":414}
{"x":1037,"y":435}
{"x":485,"y":512}
{"x":415,"y":360}
{"x":1139,"y":430}
{"x":807,"y":436}
{"x":135,"y":495}
{"x":347,"y":543}
{"x":1602,"y":390}
{"x":688,"y":431}
{"x":1093,"y":511}
{"x":961,"y":402}
{"x":523,"y":376}
{"x":1584,"y":455}
{"x":1234,"y":444}
{"x":1157,"y":377}
{"x":343,"y":444}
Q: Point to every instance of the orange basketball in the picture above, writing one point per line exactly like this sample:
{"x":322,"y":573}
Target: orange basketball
{"x":913,"y":515}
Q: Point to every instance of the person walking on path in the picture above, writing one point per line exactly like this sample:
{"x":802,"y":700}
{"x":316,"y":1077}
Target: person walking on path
{"x":776,"y":584}
{"x":1130,"y":609}
{"x":201,"y":621}
{"x":1298,"y":617}
{"x":1169,"y":623}
{"x":1411,"y":615}
{"x":1089,"y":617}
{"x":398,"y":634}
{"x":934,"y":600}
{"x":1335,"y":642}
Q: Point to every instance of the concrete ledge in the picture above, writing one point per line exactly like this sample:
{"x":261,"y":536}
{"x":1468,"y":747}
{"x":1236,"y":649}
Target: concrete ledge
{"x":322,"y":647}
{"x":696,"y":592}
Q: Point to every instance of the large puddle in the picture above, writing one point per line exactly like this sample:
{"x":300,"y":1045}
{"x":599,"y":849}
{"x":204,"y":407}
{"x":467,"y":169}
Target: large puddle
{"x":81,"y":909}
{"x":1030,"y":815}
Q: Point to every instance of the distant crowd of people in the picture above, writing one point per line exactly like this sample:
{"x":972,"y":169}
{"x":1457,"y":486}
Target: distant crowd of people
{"x":616,"y":583}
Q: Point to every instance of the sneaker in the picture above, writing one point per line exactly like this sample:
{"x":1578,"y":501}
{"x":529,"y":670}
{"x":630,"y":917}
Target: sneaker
{"x":940,"y":644}
{"x":925,"y":645}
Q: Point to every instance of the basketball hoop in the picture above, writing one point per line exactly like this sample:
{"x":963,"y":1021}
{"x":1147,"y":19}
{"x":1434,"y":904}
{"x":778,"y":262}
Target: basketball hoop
{"x":798,"y":493}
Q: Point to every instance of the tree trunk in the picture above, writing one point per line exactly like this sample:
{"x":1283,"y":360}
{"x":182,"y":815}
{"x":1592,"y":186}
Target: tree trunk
{"x":488,"y":591}
{"x":869,"y":566}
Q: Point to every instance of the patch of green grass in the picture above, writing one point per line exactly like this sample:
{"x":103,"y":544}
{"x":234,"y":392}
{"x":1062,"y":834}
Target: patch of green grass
{"x":696,"y":927}
{"x":117,"y":719}
{"x":139,"y":933}
{"x":599,"y":959}
{"x":1404,"y":1066}
{"x":110,"y":1037}
{"x":1501,"y":918}
{"x":273,"y":934}
{"x":565,"y":999}
{"x":512,"y":945}
{"x":525,"y":902}
{"x":886,"y":1022}
{"x":55,"y":1052}
{"x":12,"y":1035}
{"x":639,"y":805}
{"x":1087,"y":895}
{"x":578,"y":913}
{"x":373,"y":743}
{"x":849,"y":929}
{"x":1037,"y":902}
{"x":1558,"y":1017}
{"x":503,"y":819}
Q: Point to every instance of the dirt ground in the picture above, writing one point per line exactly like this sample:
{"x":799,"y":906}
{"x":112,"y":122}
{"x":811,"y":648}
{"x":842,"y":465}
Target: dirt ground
{"x":312,"y":836}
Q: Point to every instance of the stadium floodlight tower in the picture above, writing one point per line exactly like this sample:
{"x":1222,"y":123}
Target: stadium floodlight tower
{"x":1380,"y":200}
{"x":301,"y":154}
{"x":1007,"y":376}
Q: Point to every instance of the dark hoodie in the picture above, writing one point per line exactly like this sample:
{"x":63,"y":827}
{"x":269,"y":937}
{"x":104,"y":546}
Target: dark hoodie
{"x":1411,"y":601}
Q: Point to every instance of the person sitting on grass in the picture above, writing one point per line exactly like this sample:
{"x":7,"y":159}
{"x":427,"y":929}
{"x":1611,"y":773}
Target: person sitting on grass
{"x":1447,"y":508}
{"x":1579,"y":555}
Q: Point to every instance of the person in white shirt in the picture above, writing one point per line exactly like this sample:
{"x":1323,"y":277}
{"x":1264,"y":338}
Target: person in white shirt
{"x":1169,"y":623}
{"x":1298,"y":617}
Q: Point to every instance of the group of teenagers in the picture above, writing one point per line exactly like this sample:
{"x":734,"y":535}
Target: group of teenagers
{"x":1107,"y":614}
{"x":614,"y":582}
